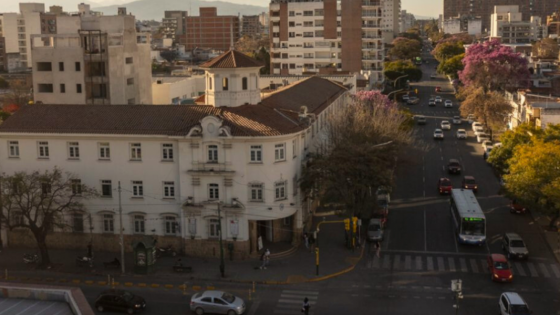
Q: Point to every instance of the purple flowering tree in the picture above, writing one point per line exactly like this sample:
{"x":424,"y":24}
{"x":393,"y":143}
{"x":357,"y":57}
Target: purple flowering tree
{"x":494,"y":67}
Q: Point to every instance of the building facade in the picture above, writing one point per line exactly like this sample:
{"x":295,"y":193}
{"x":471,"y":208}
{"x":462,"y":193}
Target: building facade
{"x":182,"y":171}
{"x":326,"y":37}
{"x":174,"y":25}
{"x":484,"y":9}
{"x":391,"y":10}
{"x":407,"y":21}
{"x":93,"y":60}
{"x":177,"y":90}
{"x":508,"y":25}
{"x":463,"y":24}
{"x":210,"y":30}
{"x":251,"y":25}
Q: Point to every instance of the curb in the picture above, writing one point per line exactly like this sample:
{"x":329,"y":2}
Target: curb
{"x":545,"y":239}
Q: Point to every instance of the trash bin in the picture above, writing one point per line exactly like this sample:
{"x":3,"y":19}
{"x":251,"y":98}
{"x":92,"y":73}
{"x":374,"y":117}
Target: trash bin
{"x":144,"y":255}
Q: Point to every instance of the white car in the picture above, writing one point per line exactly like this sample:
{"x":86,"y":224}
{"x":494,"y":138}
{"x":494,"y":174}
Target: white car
{"x":448,"y":103}
{"x":487,"y":144}
{"x":445,"y":125}
{"x":438,"y":134}
{"x":461,"y":134}
{"x":482,"y":137}
{"x":470,"y":118}
{"x":432,"y":102}
{"x":438,"y":99}
{"x":457,"y":120}
{"x":405,"y":97}
{"x":476,"y":124}
{"x":478,"y":131}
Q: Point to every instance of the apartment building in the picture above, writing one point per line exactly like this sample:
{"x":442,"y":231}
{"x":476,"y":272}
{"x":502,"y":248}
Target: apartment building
{"x":17,"y":29}
{"x":239,"y":154}
{"x":92,"y":60}
{"x":553,"y":24}
{"x":251,"y":25}
{"x":210,"y":30}
{"x":326,"y":37}
{"x":485,"y":9}
{"x":463,"y":24}
{"x":391,"y":19}
{"x":508,"y":25}
{"x":174,"y":25}
{"x":407,"y":21}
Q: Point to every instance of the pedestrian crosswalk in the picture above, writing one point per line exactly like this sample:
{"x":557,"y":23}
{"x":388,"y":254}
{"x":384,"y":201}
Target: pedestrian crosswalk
{"x":467,"y":264}
{"x":291,"y":302}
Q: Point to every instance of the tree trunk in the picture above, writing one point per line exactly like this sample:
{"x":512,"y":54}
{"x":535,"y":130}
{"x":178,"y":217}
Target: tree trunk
{"x":43,"y":250}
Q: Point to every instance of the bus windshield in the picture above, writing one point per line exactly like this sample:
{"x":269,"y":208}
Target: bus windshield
{"x":473,"y":228}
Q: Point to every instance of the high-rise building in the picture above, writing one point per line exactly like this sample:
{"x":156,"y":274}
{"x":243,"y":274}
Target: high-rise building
{"x":553,"y":24}
{"x":391,"y":10}
{"x":463,"y":24}
{"x":407,"y":21}
{"x":174,"y":25}
{"x":507,"y":24}
{"x":210,"y":30}
{"x":484,"y":8}
{"x":251,"y":25}
{"x":327,"y":36}
{"x":92,"y":60}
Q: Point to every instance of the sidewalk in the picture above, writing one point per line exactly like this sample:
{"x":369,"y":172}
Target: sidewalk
{"x":298,"y":267}
{"x":552,"y":238}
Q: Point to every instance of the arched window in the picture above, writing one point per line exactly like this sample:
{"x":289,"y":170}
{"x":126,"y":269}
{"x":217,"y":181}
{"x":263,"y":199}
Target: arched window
{"x":225,"y":85}
{"x":244,"y":83}
{"x":209,"y":83}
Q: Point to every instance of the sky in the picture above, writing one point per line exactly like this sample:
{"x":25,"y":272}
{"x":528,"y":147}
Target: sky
{"x":429,"y":8}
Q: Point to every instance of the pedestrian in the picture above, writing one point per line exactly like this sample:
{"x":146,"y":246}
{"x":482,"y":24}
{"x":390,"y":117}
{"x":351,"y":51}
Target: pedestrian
{"x":265,"y":258}
{"x":312,"y":241}
{"x":306,"y":240}
{"x":377,"y":247}
{"x":305,"y":308}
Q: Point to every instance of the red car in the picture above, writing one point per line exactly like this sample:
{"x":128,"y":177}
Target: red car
{"x":444,"y":186}
{"x":438,"y":89}
{"x":469,"y":183}
{"x":499,"y":268}
{"x":516,"y":208}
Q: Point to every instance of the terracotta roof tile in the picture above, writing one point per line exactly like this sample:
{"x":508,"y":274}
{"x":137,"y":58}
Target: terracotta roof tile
{"x":232,"y":59}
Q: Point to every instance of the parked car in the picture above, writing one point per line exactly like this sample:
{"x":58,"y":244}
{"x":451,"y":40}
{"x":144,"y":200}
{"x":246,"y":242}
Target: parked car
{"x":381,"y":211}
{"x":514,"y":246}
{"x":217,"y":302}
{"x":469,"y":183}
{"x":412,"y":100}
{"x":454,"y":167}
{"x":445,"y":125}
{"x":461,"y":134}
{"x":438,"y":89}
{"x":384,"y":192}
{"x":432,"y":76}
{"x":470,"y":118}
{"x":438,"y":134}
{"x":457,"y":120}
{"x":438,"y":99}
{"x":119,"y":300}
{"x":432,"y":102}
{"x":482,"y":136}
{"x":421,"y":120}
{"x":448,"y":103}
{"x":515,"y":207}
{"x":499,"y":268}
{"x":486,"y":144}
{"x":375,"y":230}
{"x":476,"y":125}
{"x":444,"y":186}
{"x":511,"y":303}
{"x":405,"y":97}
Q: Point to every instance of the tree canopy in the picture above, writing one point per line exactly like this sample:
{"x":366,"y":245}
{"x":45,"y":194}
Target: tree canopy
{"x":494,"y":67}
{"x":395,"y":69}
{"x":491,"y":108}
{"x":452,"y":66}
{"x":405,"y":48}
{"x":448,"y":49}
{"x":546,"y":48}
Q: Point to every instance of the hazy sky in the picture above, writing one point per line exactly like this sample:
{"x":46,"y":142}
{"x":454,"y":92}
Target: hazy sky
{"x":418,"y":7}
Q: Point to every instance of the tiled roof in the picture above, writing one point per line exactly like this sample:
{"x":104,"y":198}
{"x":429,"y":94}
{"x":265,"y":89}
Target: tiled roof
{"x":246,"y":120}
{"x":314,"y":92}
{"x":232,"y":59}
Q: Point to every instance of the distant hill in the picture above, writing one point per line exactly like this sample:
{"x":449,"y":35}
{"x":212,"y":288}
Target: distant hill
{"x":153,"y":10}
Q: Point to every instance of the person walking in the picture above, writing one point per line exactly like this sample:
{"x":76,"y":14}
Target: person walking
{"x":265,"y":258}
{"x":306,"y":240}
{"x":377,"y":247}
{"x":305,"y":308}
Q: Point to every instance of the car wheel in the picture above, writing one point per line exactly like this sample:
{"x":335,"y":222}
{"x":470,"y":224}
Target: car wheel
{"x":130,"y":311}
{"x":199,"y":311}
{"x":100,"y":308}
{"x":231,"y":312}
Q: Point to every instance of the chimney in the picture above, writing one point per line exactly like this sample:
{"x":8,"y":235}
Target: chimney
{"x":121,"y":11}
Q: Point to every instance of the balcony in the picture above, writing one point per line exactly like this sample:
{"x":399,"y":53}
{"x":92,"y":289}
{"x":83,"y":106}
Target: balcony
{"x":369,"y":3}
{"x":202,"y":168}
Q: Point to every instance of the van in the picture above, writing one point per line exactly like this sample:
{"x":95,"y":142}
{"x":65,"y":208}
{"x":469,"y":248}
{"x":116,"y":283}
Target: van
{"x":511,"y":303}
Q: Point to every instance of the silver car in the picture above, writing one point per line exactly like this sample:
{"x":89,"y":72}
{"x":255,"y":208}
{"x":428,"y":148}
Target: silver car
{"x":375,"y":230}
{"x":217,"y":302}
{"x":514,"y":246}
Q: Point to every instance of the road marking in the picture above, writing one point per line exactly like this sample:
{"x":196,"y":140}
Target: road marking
{"x":297,"y":296}
{"x":544,"y":271}
{"x":407,"y":263}
{"x":555,"y":270}
{"x":254,"y":307}
{"x":451,"y":264}
{"x":463,"y":263}
{"x":298,"y":301}
{"x":519,"y":269}
{"x":483,"y":263}
{"x":532,"y":270}
{"x":421,"y":252}
{"x":474,"y":266}
{"x":440,"y":264}
{"x":425,"y":233}
{"x":418,"y":263}
{"x":430,"y":262}
{"x":396,"y":262}
{"x":301,"y":292}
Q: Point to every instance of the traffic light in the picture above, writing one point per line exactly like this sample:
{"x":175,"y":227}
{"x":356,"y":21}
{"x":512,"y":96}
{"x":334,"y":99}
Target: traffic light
{"x":354,"y":224}
{"x":347,"y":224}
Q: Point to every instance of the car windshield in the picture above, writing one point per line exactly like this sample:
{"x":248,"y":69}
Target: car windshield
{"x":500,"y":265}
{"x":517,"y":243}
{"x":127,"y":296}
{"x":461,"y":132}
{"x":374,"y":227}
{"x":470,"y":181}
{"x":445,"y":182}
{"x":228,"y":298}
{"x":519,"y":310}
{"x":473,"y":228}
{"x":454,"y":164}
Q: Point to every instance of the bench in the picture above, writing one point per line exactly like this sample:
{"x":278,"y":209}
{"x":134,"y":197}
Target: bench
{"x":182,"y":269}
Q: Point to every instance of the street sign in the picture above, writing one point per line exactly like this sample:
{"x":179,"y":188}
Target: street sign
{"x":456,"y":285}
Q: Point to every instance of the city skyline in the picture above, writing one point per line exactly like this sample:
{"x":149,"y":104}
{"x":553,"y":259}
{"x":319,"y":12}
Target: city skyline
{"x":433,"y":9}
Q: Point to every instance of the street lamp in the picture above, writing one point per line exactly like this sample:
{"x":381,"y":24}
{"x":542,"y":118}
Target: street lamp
{"x":222,"y":266}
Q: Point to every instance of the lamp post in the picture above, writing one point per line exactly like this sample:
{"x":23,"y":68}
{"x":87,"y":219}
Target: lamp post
{"x":222,"y":266}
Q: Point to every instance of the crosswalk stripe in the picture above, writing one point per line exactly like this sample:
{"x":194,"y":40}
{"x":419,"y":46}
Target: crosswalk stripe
{"x":519,"y":269}
{"x":418,"y":263}
{"x":298,"y":301}
{"x":291,"y":311}
{"x":440,"y":264}
{"x":407,"y":263}
{"x":301,"y":292}
{"x":533,"y":270}
{"x":386,"y":262}
{"x":396,"y":261}
{"x":463,"y":265}
{"x":451,"y":264}
{"x":430,"y":262}
{"x":484,"y":265}
{"x":544,"y":271}
{"x":297,"y":296}
{"x":555,"y":270}
{"x":474,"y":266}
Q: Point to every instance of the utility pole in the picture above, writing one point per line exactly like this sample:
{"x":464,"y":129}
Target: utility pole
{"x":121,"y":229}
{"x":222,"y":266}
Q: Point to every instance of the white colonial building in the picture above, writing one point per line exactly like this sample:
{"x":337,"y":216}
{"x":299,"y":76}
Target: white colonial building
{"x":176,"y":165}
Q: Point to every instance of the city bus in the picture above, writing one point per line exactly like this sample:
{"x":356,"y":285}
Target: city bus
{"x":418,"y":60}
{"x":468,"y":219}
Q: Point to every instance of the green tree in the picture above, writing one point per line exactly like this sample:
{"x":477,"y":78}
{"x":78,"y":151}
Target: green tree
{"x":546,"y":48}
{"x":451,"y":66}
{"x":405,"y":48}
{"x":4,"y":84}
{"x":395,"y":69}
{"x":491,"y":108}
{"x":39,"y":201}
{"x":534,"y":178}
{"x":448,"y":49}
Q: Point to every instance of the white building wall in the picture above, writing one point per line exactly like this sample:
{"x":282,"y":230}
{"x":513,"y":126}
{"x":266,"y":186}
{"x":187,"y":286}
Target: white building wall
{"x":171,"y":88}
{"x":452,"y":26}
{"x":474,"y":27}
